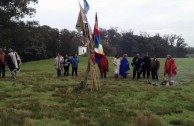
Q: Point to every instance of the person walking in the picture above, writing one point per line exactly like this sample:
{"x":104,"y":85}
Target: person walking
{"x":74,"y":64}
{"x":13,"y":62}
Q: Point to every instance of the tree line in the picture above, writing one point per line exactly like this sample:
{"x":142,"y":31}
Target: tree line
{"x":35,"y":42}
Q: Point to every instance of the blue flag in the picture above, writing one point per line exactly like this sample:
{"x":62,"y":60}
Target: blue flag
{"x":86,"y":6}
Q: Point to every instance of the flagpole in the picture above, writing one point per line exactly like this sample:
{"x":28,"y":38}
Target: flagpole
{"x":83,"y":24}
{"x":89,"y":59}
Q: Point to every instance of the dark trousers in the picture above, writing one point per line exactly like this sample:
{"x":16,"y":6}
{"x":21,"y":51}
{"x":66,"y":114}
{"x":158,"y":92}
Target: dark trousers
{"x":125,"y":75}
{"x":146,"y":70}
{"x":136,"y":72}
{"x":66,"y":70}
{"x":103,"y":74}
{"x":154,"y":74}
{"x":116,"y":76}
{"x":58,"y":72}
{"x":74,"y":70}
{"x":2,"y":70}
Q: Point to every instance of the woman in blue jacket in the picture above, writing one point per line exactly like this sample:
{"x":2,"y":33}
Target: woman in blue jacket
{"x":124,"y":67}
{"x":74,"y":64}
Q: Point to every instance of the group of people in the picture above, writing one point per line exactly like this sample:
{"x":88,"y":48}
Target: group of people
{"x":121,"y":66}
{"x":13,"y":61}
{"x":141,"y":65}
{"x":63,"y":64}
{"x":144,"y":65}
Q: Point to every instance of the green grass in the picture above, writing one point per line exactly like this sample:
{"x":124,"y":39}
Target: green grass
{"x":39,"y":98}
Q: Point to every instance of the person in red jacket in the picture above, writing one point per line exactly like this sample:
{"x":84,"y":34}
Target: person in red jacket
{"x":2,"y":63}
{"x":103,"y":66}
{"x":170,"y":69}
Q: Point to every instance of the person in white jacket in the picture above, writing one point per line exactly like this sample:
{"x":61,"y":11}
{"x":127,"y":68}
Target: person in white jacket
{"x":59,"y":64}
{"x":13,"y":62}
{"x":116,"y":64}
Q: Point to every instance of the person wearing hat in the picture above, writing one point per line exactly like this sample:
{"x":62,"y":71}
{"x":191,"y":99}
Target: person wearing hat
{"x":2,"y":63}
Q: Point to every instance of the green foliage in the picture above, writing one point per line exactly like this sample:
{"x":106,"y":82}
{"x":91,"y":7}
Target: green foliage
{"x":16,"y":9}
{"x":35,"y":42}
{"x":39,"y":98}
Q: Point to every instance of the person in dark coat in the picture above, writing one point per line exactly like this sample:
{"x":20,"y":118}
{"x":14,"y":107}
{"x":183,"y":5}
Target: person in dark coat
{"x":103,"y":66}
{"x":66,"y":65}
{"x":136,"y":63}
{"x":155,"y":65}
{"x":124,"y":67}
{"x":146,"y":66}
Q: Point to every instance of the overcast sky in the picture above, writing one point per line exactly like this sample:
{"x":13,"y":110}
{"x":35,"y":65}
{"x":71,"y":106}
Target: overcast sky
{"x":151,"y":16}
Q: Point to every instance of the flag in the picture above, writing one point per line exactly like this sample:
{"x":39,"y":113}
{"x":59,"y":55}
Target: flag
{"x":79,"y":24}
{"x":97,"y":42}
{"x":86,"y":6}
{"x":81,"y":21}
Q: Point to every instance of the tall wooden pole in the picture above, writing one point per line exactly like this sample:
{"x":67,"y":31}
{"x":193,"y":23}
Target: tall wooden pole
{"x":89,"y":48}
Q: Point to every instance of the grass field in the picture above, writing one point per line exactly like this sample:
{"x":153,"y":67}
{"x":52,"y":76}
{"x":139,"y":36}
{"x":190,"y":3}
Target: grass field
{"x":39,"y":98}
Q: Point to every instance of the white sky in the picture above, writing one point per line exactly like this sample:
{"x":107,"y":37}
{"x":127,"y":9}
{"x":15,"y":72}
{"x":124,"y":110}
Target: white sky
{"x":151,"y":16}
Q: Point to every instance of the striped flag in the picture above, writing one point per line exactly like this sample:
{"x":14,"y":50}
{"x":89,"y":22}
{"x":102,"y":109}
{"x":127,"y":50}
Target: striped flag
{"x":97,"y":42}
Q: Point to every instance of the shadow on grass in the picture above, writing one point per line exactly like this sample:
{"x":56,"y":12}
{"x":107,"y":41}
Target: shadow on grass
{"x":182,"y":122}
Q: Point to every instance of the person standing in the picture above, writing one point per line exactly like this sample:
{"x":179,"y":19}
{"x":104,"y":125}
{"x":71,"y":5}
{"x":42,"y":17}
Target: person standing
{"x":74,"y":63}
{"x":2,"y":63}
{"x":59,"y":64}
{"x":66,"y":65}
{"x":146,"y":66}
{"x":116,"y":64}
{"x":170,"y":69}
{"x":155,"y":66}
{"x":124,"y":67}
{"x":137,"y":68}
{"x":103,"y":66}
{"x":13,"y":62}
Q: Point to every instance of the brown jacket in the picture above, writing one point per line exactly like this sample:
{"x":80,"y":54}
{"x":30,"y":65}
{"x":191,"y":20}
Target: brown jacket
{"x":155,"y":64}
{"x":2,"y":57}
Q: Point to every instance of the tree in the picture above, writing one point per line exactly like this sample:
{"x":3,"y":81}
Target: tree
{"x":109,"y":50}
{"x":69,"y":41}
{"x":113,"y":37}
{"x":16,"y":9}
{"x":181,"y":49}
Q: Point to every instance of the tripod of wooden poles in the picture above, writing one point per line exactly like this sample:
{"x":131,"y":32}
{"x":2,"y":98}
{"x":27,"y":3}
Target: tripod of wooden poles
{"x":92,"y":67}
{"x":94,"y":73}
